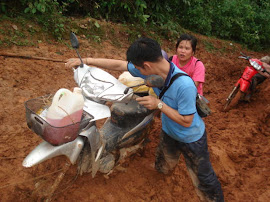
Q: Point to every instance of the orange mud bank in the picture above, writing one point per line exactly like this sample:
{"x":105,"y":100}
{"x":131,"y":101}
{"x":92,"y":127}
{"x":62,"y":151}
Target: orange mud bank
{"x":238,"y":140}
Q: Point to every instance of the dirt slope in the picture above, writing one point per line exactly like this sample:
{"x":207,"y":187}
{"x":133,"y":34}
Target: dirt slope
{"x":238,"y":139}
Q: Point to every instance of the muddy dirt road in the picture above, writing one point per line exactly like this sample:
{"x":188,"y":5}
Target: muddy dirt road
{"x":238,"y":139}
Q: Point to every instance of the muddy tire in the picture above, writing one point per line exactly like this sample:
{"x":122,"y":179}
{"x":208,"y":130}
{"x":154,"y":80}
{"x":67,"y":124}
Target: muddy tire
{"x":233,"y":100}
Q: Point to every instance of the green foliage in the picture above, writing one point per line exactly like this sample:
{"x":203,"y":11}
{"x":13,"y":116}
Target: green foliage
{"x":49,"y":14}
{"x":123,"y":11}
{"x":244,"y":21}
{"x":3,"y":8}
{"x":45,"y":6}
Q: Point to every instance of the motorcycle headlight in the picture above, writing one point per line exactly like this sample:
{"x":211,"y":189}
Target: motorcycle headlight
{"x":255,"y":65}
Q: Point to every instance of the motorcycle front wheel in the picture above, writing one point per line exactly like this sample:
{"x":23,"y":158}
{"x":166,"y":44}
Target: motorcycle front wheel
{"x":233,"y":98}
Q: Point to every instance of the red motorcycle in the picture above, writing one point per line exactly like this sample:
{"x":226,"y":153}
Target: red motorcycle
{"x":242,"y":87}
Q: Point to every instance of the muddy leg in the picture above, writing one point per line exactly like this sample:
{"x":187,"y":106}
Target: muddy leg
{"x":167,"y":155}
{"x":256,"y":80}
{"x":201,"y":172}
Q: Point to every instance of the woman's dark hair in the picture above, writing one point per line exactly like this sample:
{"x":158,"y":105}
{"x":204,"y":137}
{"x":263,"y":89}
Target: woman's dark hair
{"x":190,"y":38}
{"x":144,"y":49}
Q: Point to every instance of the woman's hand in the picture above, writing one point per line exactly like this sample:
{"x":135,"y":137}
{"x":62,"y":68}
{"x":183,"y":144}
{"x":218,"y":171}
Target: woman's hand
{"x":112,"y":64}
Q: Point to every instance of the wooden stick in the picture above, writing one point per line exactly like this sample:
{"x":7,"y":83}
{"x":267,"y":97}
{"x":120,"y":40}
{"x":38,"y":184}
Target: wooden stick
{"x":29,"y":57}
{"x":57,"y":182}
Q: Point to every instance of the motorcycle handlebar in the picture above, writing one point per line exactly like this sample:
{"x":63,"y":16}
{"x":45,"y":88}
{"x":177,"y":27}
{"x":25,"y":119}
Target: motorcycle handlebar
{"x":134,"y":96}
{"x":259,"y":63}
{"x":245,"y":57}
{"x":265,"y":71}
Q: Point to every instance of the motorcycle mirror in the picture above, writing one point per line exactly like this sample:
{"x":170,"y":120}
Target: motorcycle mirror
{"x":150,"y":81}
{"x":75,"y":44}
{"x":244,"y":56}
{"x":154,"y":81}
{"x":74,"y":41}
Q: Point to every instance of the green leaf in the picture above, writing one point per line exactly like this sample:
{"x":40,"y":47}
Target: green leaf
{"x":146,"y":16}
{"x":34,"y":10}
{"x":97,"y":25}
{"x":26,"y":10}
{"x":43,"y":9}
{"x":38,"y":6}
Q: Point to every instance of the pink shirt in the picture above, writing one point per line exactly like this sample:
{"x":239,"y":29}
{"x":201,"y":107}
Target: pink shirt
{"x":195,"y":71}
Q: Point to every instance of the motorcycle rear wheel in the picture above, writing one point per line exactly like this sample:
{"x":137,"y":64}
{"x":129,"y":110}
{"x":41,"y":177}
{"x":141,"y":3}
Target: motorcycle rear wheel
{"x":233,"y":100}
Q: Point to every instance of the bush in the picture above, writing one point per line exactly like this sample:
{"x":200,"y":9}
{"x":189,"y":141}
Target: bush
{"x":244,"y":21}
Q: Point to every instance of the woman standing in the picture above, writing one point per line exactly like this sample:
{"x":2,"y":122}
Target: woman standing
{"x":185,"y":60}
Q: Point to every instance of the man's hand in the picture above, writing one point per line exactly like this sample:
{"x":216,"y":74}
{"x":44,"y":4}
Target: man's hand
{"x":150,"y":102}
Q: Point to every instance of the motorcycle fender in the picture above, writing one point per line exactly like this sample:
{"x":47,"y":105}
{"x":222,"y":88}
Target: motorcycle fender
{"x":244,"y":85}
{"x":97,"y":145}
{"x":249,"y":73}
{"x":45,"y":151}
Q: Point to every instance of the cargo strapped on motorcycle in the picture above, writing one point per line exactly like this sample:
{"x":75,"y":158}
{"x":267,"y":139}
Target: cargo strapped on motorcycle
{"x":201,"y":106}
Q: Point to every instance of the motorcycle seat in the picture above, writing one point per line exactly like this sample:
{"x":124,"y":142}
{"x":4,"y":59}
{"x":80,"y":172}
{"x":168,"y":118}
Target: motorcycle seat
{"x":128,"y":114}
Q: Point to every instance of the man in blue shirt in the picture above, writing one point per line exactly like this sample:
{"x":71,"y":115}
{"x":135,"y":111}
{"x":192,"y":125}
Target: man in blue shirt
{"x":183,"y":130}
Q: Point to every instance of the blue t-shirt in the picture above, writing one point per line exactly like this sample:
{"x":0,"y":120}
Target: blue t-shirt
{"x":181,"y":96}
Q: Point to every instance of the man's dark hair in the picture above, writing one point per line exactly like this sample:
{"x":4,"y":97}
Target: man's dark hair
{"x":144,"y":49}
{"x":188,"y":37}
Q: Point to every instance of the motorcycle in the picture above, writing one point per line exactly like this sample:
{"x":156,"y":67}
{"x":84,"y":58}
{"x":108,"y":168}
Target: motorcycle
{"x":244,"y":86}
{"x":123,"y":133}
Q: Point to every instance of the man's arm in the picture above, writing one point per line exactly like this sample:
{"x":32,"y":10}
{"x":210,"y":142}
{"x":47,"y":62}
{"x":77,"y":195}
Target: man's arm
{"x":173,"y":114}
{"x":151,"y":103}
{"x":112,"y":64}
